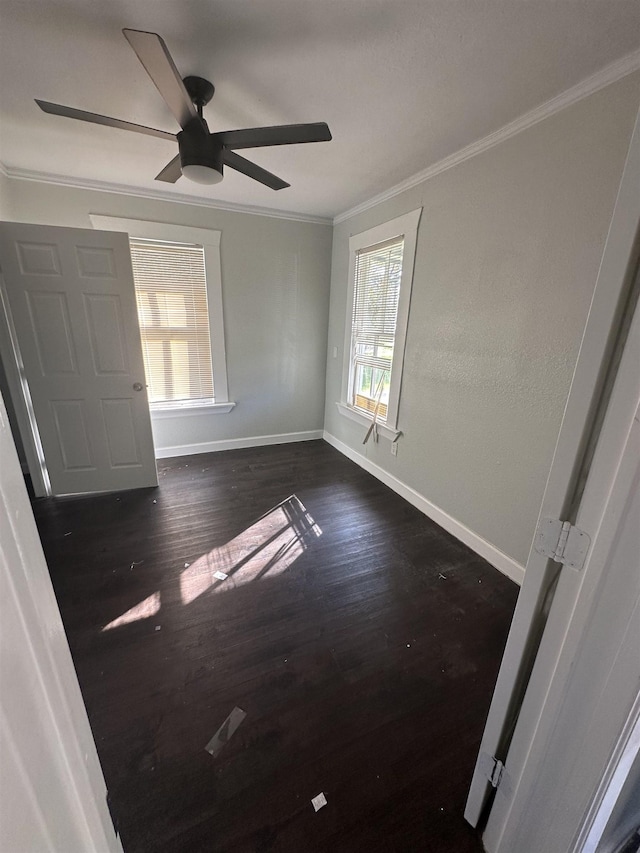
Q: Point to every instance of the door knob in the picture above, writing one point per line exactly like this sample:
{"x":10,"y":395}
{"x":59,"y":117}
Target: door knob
{"x":138,"y":386}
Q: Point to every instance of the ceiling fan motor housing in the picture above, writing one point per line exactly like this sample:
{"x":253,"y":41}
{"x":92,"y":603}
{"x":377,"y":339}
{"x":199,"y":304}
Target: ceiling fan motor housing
{"x":198,"y":148}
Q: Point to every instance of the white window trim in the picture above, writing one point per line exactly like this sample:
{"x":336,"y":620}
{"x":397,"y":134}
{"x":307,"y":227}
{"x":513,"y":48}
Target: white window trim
{"x":210,"y":242}
{"x":406,"y":226}
{"x":365,"y":421}
{"x":183,"y":409}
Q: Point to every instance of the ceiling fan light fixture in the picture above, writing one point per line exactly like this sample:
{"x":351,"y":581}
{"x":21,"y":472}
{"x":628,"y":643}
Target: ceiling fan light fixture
{"x":201,"y":174}
{"x":200,"y":156}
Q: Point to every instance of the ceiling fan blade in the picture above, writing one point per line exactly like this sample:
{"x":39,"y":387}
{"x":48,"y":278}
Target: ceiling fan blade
{"x":95,"y":118}
{"x":154,"y":55}
{"x":171,"y":172}
{"x":251,"y":170}
{"x":283,"y":134}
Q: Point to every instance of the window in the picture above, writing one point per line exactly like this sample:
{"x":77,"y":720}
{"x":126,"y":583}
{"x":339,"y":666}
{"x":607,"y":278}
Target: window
{"x":179,"y":294}
{"x":373,"y":325}
{"x":380,"y":278}
{"x":171,"y":292}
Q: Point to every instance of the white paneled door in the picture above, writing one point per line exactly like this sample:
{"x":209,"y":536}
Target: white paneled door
{"x":71,"y":301}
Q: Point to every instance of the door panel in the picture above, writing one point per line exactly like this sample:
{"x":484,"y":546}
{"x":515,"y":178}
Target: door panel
{"x":118,"y":416}
{"x":51,"y":328}
{"x":71,"y":296}
{"x":72,"y":434}
{"x":106,"y":330}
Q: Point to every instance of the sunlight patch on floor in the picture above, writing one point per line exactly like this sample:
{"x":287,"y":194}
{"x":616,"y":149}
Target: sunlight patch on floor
{"x":146,"y":608}
{"x":269,"y":546}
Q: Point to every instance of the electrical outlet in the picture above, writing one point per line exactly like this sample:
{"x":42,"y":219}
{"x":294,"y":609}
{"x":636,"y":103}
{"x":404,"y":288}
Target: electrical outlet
{"x":394,"y":448}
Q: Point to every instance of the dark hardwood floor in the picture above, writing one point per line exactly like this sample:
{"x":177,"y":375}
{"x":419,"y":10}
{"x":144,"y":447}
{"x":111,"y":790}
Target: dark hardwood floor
{"x":361,"y":640}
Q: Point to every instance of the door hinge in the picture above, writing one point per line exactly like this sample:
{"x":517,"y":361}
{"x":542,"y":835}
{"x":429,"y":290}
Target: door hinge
{"x":492,"y":768}
{"x":562,"y":542}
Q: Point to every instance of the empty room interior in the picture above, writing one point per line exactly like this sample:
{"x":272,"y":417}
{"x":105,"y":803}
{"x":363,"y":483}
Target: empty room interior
{"x":319,"y":431}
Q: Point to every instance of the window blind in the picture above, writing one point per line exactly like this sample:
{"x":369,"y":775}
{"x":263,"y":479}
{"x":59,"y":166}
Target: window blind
{"x":171,"y":294}
{"x":375,"y":308}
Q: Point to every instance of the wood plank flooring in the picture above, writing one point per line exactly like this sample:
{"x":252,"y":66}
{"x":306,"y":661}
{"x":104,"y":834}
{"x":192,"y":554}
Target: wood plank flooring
{"x":361,"y":640}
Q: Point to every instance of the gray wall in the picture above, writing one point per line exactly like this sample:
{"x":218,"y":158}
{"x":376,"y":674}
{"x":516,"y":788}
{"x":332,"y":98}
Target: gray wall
{"x":5,"y":197}
{"x":507,"y":258}
{"x":275,"y":280}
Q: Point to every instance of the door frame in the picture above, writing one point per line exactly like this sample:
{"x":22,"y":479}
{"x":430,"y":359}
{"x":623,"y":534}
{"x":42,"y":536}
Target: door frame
{"x":559,"y":500}
{"x":558,"y":682}
{"x":48,"y":681}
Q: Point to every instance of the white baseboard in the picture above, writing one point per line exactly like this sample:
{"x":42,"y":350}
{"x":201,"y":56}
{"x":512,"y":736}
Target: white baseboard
{"x":233,"y":443}
{"x":493,"y":555}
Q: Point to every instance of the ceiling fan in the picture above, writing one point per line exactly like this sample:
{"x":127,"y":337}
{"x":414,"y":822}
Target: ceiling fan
{"x":202,"y":155}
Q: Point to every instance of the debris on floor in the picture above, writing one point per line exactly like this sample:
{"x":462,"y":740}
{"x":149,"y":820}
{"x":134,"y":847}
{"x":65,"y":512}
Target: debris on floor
{"x":225,"y":732}
{"x":319,"y":801}
{"x":158,"y":627}
{"x":220,"y":576}
{"x":69,"y":533}
{"x":440,"y":575}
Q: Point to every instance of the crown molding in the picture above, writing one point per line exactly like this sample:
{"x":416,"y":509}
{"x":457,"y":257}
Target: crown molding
{"x":157,"y":195}
{"x":607,"y":75}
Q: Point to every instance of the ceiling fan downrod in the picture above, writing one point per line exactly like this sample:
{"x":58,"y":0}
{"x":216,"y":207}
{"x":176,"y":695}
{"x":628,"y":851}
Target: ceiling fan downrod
{"x":200,"y":91}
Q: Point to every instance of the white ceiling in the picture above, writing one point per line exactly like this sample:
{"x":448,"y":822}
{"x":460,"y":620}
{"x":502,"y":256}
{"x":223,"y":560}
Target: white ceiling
{"x":401,"y":83}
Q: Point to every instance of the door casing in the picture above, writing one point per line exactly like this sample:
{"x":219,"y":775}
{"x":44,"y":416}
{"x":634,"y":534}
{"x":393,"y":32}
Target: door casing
{"x":559,"y":500}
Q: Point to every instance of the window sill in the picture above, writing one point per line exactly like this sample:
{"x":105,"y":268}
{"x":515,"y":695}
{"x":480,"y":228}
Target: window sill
{"x":184,"y":411}
{"x":364,"y":421}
